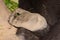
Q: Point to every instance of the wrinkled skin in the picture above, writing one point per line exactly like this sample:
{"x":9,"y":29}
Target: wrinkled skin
{"x":30,"y":21}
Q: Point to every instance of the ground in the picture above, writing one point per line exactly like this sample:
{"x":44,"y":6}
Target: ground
{"x":7,"y":32}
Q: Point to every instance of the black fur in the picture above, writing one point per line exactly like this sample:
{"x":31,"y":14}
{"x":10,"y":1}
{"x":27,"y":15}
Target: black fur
{"x":27,"y":34}
{"x":42,"y":7}
{"x":51,"y":12}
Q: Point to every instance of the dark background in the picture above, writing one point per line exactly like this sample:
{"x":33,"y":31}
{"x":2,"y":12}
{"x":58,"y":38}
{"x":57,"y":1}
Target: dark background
{"x":50,"y":9}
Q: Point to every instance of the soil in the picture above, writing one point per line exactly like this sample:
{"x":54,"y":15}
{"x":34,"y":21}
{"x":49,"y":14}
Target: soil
{"x":7,"y":32}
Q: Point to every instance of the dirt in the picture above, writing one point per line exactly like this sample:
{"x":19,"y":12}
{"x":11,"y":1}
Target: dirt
{"x":7,"y":32}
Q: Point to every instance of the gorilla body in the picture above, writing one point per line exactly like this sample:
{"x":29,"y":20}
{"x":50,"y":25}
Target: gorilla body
{"x":50,"y":9}
{"x":38,"y":6}
{"x":30,"y":21}
{"x":42,"y":7}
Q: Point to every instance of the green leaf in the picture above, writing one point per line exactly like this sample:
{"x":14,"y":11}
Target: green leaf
{"x":11,"y":5}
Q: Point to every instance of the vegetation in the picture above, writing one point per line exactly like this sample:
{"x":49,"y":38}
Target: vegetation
{"x":11,"y":4}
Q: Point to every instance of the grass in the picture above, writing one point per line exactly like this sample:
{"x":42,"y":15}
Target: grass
{"x":12,"y":5}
